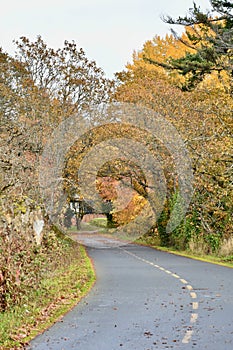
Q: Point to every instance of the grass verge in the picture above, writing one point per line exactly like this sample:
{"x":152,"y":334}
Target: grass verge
{"x":58,"y":292}
{"x":226,"y":261}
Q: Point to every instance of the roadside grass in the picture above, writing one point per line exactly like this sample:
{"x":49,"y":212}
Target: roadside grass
{"x":93,"y":225}
{"x":99,"y":222}
{"x":153,"y":242}
{"x":58,"y":292}
{"x":100,"y":225}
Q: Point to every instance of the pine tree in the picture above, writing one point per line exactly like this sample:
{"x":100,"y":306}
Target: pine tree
{"x":210,"y":36}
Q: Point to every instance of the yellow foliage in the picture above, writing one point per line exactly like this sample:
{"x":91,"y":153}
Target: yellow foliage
{"x":131,"y":211}
{"x":203,"y":118}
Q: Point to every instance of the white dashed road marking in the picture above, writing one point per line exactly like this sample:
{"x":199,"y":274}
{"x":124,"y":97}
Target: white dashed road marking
{"x":189,"y":287}
{"x":183,"y":281}
{"x":194,"y":316}
{"x":195,"y":305}
{"x":193,"y":295}
{"x":187,"y":337}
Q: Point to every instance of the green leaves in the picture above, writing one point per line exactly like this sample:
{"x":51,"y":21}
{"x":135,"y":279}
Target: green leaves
{"x":194,"y":92}
{"x":211,"y":37}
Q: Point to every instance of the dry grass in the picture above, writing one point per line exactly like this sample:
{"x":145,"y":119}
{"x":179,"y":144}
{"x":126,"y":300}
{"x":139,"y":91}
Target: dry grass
{"x":226,"y":247}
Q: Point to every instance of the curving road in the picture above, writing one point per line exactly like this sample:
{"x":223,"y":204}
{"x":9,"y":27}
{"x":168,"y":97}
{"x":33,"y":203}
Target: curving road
{"x":145,"y":299}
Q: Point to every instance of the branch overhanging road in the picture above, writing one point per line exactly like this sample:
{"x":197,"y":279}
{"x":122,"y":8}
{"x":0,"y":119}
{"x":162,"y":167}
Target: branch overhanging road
{"x":145,"y":299}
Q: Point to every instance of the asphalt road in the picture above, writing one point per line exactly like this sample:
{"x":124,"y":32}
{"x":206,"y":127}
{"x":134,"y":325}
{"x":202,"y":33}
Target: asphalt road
{"x":146,"y":299}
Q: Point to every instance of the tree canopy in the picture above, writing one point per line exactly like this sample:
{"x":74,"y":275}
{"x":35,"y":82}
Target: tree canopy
{"x":208,"y":42}
{"x":39,"y":88}
{"x":199,"y":104}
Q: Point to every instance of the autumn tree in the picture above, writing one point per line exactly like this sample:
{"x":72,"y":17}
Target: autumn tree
{"x":203,"y":117}
{"x":209,"y":68}
{"x":113,"y":173}
{"x":210,"y":38}
{"x":66,"y":74}
{"x":20,"y":204}
{"x":39,"y":88}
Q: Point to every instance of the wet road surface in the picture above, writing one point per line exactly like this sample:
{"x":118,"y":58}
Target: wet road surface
{"x":145,"y":299}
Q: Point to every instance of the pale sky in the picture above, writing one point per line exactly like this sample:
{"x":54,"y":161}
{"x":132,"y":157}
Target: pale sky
{"x":108,"y":30}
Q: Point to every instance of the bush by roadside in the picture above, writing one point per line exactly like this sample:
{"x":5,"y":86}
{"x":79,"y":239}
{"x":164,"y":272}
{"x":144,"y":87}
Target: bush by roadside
{"x":66,"y":274}
{"x":153,"y":240}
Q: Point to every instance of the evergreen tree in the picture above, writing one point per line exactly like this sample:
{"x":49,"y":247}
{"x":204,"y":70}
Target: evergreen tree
{"x":210,"y":38}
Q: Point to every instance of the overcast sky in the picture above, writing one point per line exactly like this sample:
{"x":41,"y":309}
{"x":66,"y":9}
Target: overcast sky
{"x":108,"y":30}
